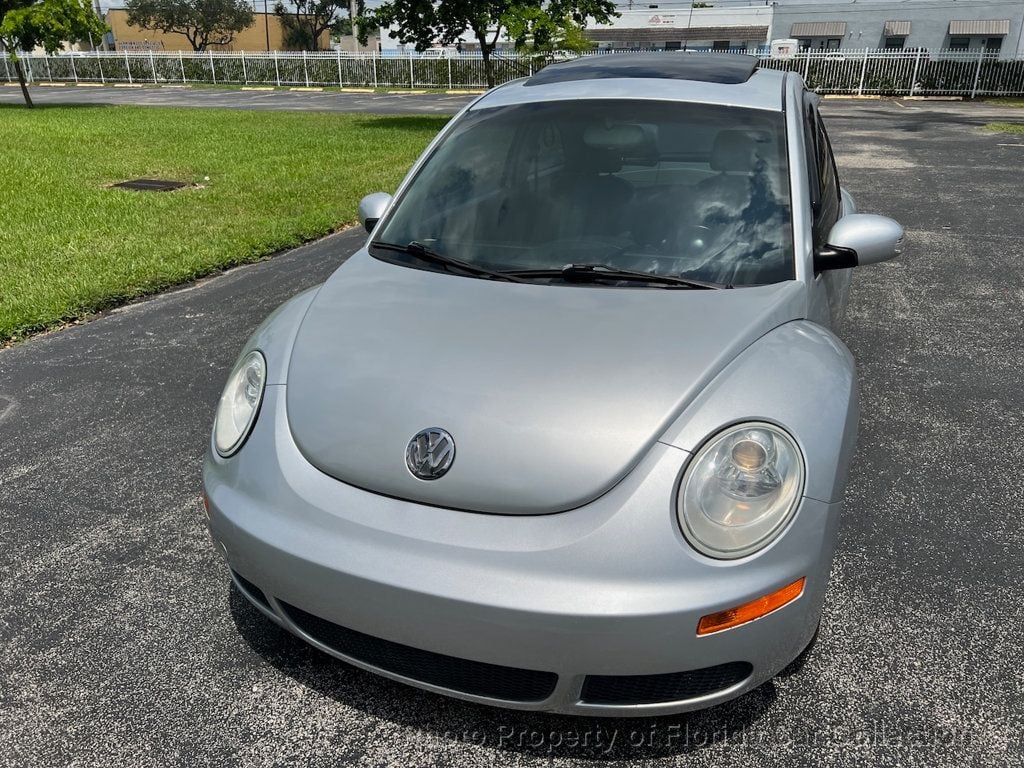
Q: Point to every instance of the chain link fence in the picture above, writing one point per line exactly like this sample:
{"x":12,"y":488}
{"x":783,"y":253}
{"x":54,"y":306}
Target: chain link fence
{"x":863,"y":72}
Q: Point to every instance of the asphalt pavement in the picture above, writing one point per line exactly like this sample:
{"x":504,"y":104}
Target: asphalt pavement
{"x":122,"y":643}
{"x":275,"y":99}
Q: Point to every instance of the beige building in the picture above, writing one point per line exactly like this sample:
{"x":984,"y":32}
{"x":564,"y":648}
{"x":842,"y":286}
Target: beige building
{"x":349,"y":44}
{"x":127,"y":37}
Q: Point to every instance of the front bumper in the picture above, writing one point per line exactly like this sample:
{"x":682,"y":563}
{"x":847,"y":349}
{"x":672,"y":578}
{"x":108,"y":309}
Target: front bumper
{"x":609,"y":589}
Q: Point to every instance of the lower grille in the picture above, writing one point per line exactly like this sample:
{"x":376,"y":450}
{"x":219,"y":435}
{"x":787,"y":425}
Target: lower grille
{"x":657,"y":689}
{"x":472,"y":677}
{"x":253,"y":591}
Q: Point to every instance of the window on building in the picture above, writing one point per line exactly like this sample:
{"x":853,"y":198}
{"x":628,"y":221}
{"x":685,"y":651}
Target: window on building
{"x":720,"y":45}
{"x":895,"y":43}
{"x":673,"y":45}
{"x":833,"y":43}
{"x":959,"y":43}
{"x":993,"y":44}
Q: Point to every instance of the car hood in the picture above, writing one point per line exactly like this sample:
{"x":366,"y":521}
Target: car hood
{"x":552,"y":393}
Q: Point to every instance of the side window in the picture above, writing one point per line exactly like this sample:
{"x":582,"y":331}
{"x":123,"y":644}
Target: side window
{"x":827,"y":193}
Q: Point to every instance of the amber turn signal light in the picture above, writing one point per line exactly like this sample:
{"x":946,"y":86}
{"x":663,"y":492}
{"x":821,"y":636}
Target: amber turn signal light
{"x":755,"y":609}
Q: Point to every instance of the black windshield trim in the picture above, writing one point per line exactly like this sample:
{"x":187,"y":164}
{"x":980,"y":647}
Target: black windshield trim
{"x":587,"y":273}
{"x":419,"y":251}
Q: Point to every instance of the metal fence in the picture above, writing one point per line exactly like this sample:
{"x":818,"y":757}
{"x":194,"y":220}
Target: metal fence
{"x":907,"y":73}
{"x":864,"y":72}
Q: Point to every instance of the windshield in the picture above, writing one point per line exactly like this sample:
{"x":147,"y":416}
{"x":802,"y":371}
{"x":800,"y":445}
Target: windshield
{"x":674,"y":189}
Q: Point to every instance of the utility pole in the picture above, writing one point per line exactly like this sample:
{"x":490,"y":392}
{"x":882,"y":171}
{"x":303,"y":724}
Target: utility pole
{"x":266,"y":23}
{"x":689,"y":20}
{"x":103,"y":40}
{"x":352,"y":13}
{"x":92,"y":44}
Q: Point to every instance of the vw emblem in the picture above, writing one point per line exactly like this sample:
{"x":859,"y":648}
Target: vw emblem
{"x":430,"y":453}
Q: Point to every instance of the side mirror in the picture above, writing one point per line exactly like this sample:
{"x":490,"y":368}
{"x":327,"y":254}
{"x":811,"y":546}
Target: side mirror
{"x":372,"y":207}
{"x":860,"y":238}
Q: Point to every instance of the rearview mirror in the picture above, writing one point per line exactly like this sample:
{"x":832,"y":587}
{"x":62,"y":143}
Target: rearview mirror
{"x":860,"y":238}
{"x":372,"y":207}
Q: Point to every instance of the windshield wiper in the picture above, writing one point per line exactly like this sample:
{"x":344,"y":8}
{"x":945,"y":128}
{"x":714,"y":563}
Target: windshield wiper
{"x":587,"y":273}
{"x":423,"y":253}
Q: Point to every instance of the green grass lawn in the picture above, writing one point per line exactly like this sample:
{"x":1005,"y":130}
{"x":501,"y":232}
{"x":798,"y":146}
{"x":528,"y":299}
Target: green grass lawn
{"x":1006,"y":101}
{"x":1005,"y":127}
{"x":69,"y":245}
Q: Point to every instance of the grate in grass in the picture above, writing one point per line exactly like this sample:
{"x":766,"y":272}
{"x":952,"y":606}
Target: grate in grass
{"x":152,"y":185}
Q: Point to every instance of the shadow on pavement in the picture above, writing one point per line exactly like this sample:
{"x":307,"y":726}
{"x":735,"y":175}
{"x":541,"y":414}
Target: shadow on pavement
{"x":536,"y":734}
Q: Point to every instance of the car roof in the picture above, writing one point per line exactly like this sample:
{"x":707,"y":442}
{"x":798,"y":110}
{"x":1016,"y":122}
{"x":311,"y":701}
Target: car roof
{"x":719,"y":68}
{"x":705,"y":78}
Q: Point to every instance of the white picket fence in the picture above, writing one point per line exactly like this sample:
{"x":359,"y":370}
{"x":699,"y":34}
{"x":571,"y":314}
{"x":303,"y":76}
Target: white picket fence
{"x":862,"y":72}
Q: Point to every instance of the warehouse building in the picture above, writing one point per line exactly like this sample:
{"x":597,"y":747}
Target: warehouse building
{"x":993,"y":26}
{"x":266,"y":33}
{"x":746,"y":28}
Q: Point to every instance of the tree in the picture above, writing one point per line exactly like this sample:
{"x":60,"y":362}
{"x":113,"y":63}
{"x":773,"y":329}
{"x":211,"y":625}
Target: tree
{"x":310,"y":19}
{"x":348,"y":25}
{"x":532,"y":24}
{"x":202,"y":22}
{"x":535,"y":31}
{"x":26,"y":24}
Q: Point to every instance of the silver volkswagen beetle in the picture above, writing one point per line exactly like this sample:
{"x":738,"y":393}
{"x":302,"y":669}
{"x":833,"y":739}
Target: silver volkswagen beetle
{"x":571,"y":432}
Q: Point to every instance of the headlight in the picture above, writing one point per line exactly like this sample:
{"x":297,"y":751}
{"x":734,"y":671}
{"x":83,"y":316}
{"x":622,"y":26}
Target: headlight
{"x":239,"y":403}
{"x":740,"y":490}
